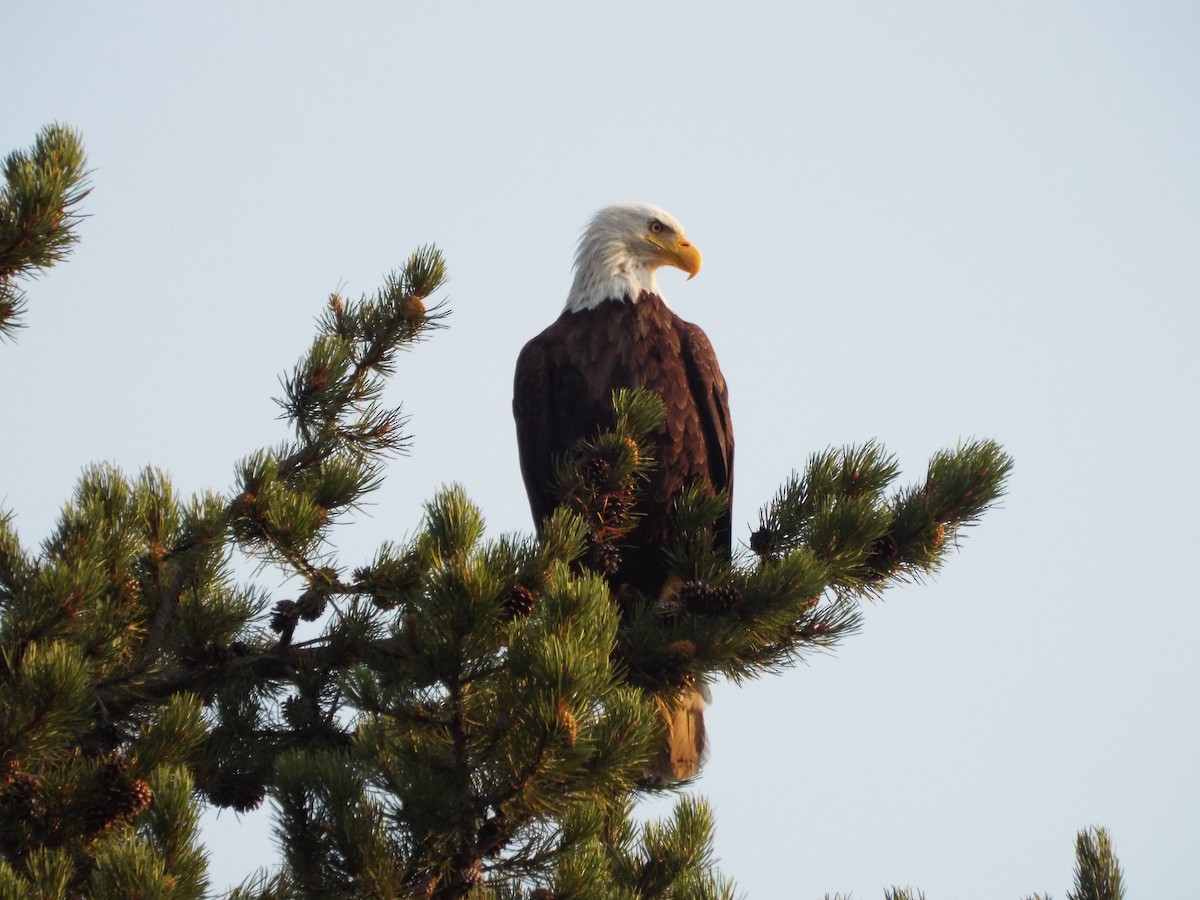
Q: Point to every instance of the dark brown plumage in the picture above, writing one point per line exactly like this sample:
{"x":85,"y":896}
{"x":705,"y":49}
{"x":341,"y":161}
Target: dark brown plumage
{"x":563,"y":392}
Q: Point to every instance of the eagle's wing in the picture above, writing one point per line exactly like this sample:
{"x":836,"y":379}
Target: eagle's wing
{"x":712,"y":402}
{"x":532,"y":410}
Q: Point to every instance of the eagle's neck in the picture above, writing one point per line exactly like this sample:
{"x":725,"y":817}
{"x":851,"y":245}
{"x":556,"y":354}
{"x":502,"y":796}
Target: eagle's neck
{"x":607,"y":271}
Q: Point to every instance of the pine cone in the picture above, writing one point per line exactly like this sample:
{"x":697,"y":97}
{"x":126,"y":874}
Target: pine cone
{"x":310,"y":605}
{"x":596,"y":471}
{"x":137,"y":798}
{"x":724,"y":599}
{"x":939,"y":536}
{"x":519,"y":603}
{"x":705,"y":599}
{"x":605,"y":559}
{"x":285,"y":616}
{"x":412,"y":308}
{"x":566,"y":721}
{"x":296,"y":712}
{"x":239,"y":791}
{"x":693,"y":595}
{"x":884,"y":555}
{"x":763,"y":541}
{"x":616,"y":507}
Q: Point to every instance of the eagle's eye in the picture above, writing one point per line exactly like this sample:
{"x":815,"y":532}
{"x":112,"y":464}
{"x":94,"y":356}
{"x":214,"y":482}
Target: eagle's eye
{"x":656,"y":226}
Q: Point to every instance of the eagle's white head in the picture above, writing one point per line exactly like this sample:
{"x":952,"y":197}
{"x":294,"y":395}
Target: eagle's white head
{"x":620,"y":251}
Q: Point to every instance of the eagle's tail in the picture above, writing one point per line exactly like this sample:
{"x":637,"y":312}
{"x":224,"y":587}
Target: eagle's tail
{"x":685,"y":746}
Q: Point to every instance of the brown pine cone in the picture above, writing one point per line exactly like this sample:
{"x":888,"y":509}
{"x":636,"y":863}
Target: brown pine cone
{"x":605,"y":559}
{"x":519,"y":603}
{"x":763,"y":541}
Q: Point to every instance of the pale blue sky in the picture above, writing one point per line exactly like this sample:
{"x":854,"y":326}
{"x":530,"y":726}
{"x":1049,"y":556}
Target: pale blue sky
{"x":922,"y":222}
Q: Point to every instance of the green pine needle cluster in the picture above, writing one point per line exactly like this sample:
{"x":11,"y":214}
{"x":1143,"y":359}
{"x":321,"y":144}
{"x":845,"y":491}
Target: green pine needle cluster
{"x":600,"y":478}
{"x":96,"y":781}
{"x":43,"y":186}
{"x":839,"y":509}
{"x":460,"y":715}
{"x":1097,"y":872}
{"x":624,"y":861}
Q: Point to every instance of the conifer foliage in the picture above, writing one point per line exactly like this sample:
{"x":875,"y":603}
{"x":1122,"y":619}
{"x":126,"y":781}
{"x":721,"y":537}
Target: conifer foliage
{"x":43,"y":187}
{"x":458,"y":716}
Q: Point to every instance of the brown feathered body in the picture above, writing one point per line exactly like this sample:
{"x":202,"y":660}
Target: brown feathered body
{"x":563,"y":392}
{"x":616,"y":332}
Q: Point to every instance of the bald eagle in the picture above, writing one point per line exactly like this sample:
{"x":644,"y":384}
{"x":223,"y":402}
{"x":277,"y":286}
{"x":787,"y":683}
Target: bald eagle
{"x":616,"y":331}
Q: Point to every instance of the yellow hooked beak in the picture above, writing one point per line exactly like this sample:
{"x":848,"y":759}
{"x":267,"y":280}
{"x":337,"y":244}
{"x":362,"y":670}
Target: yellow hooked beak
{"x":678,"y":251}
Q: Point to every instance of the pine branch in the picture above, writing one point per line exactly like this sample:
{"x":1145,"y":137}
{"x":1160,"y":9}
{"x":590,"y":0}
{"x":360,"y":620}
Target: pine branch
{"x":355,"y":350}
{"x":831,"y":536}
{"x":38,"y":220}
{"x":290,"y":496}
{"x":1097,"y":872}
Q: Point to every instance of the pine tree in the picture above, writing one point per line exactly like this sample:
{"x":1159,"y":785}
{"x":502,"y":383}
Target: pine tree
{"x":471,"y":716}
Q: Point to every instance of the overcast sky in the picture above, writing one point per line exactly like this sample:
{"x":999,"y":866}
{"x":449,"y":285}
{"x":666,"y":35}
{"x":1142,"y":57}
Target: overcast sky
{"x":921,"y":223}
